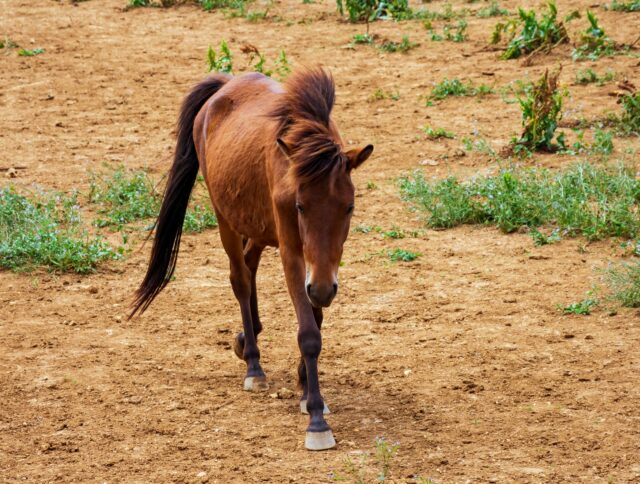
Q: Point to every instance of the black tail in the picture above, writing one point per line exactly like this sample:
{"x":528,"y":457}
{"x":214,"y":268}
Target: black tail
{"x":182,"y":177}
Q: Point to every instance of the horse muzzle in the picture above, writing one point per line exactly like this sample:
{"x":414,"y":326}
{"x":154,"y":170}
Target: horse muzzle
{"x":321,"y":295}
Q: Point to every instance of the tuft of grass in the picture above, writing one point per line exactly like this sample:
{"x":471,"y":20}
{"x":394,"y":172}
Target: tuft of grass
{"x":455,"y":87}
{"x":593,"y":201}
{"x":46,"y":231}
{"x":366,"y":469}
{"x":541,"y":106}
{"x":30,"y":52}
{"x":493,"y":10}
{"x":583,"y":307}
{"x":401,"y":255}
{"x":123,"y":197}
{"x":480,"y":144}
{"x":221,"y":61}
{"x":527,"y":34}
{"x":589,"y":76}
{"x":623,"y":282}
{"x":457,"y":33}
{"x":447,"y":14}
{"x":437,"y":133}
{"x":380,"y":94}
{"x":404,"y":45}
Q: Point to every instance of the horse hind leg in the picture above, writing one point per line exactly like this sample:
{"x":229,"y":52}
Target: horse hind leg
{"x":240,"y":277}
{"x":252,"y":254}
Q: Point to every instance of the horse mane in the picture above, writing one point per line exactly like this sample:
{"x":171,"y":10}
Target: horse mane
{"x":303,"y":113}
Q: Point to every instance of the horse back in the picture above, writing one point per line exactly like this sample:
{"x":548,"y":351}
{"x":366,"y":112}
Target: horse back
{"x":234,"y":137}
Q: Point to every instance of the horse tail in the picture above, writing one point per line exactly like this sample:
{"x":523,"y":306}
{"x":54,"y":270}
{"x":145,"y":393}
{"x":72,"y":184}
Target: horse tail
{"x":182,"y":177}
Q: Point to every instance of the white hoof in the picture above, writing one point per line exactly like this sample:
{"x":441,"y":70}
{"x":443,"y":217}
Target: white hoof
{"x":303,"y":408}
{"x":256,"y":384}
{"x":319,"y":440}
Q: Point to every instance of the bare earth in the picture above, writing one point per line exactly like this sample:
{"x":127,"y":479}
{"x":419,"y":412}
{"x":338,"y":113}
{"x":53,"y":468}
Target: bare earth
{"x":460,"y":356}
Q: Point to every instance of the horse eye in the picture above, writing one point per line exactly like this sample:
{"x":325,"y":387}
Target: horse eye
{"x":350,"y":209}
{"x":299,"y":207}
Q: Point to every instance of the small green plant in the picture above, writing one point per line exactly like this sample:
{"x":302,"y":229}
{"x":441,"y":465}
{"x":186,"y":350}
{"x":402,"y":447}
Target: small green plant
{"x":30,"y":52}
{"x":455,"y":87}
{"x":394,"y":233}
{"x":46,"y":231}
{"x":534,"y":35}
{"x":540,"y":238}
{"x":222,"y":61}
{"x":371,"y":10}
{"x":541,"y":107}
{"x":593,"y":42}
{"x":630,"y":6}
{"x":451,"y":33}
{"x":493,"y":10}
{"x":480,"y":144}
{"x":380,"y":94}
{"x":447,"y":14}
{"x":401,"y":255}
{"x":365,"y":229}
{"x":139,"y":3}
{"x":589,"y":76}
{"x":364,"y":470}
{"x":437,"y":133}
{"x":404,"y":45}
{"x":629,"y":121}
{"x":583,"y":307}
{"x":282,"y":65}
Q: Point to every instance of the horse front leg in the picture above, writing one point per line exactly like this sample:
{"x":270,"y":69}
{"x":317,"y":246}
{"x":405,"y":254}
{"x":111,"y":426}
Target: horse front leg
{"x":302,"y":371}
{"x":319,"y":435}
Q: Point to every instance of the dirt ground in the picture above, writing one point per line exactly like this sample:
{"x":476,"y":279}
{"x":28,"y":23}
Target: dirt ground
{"x":460,"y":356}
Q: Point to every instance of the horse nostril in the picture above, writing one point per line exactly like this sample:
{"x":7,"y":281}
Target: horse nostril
{"x":308,"y":289}
{"x":335,"y":289}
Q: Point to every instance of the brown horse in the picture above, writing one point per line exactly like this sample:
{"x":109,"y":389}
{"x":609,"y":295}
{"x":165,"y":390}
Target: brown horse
{"x":278,"y":176}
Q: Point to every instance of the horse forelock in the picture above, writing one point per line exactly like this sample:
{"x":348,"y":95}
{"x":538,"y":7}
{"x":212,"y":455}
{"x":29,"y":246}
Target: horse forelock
{"x":304,"y":115}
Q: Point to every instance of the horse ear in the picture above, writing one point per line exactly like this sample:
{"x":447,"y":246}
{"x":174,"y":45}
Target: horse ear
{"x":358,"y":156}
{"x":286,"y":151}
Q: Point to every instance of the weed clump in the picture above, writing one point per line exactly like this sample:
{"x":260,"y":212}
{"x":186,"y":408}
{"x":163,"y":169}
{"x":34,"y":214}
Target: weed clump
{"x":541,"y":106}
{"x":455,"y":87}
{"x":593,"y":43}
{"x":46,"y":231}
{"x":593,"y":201}
{"x":534,"y":35}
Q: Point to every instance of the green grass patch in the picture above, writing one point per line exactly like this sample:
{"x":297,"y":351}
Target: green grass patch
{"x":45,"y":230}
{"x":401,"y":255}
{"x":593,"y":201}
{"x":623,"y":282}
{"x":437,"y":133}
{"x":123,"y":197}
{"x":405,"y":45}
{"x":30,"y":52}
{"x":589,"y":76}
{"x":451,"y":33}
{"x":455,"y":87}
{"x":583,"y":307}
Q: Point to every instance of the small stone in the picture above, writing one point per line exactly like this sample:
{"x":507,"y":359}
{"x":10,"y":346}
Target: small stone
{"x":285,"y":393}
{"x":93,"y":290}
{"x":135,"y":399}
{"x":429,"y":162}
{"x":12,"y":173}
{"x":407,"y":372}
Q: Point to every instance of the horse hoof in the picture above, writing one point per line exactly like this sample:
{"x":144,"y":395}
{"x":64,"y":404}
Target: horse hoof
{"x":320,"y":440}
{"x":256,"y":384}
{"x":303,"y":408}
{"x":238,"y":345}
